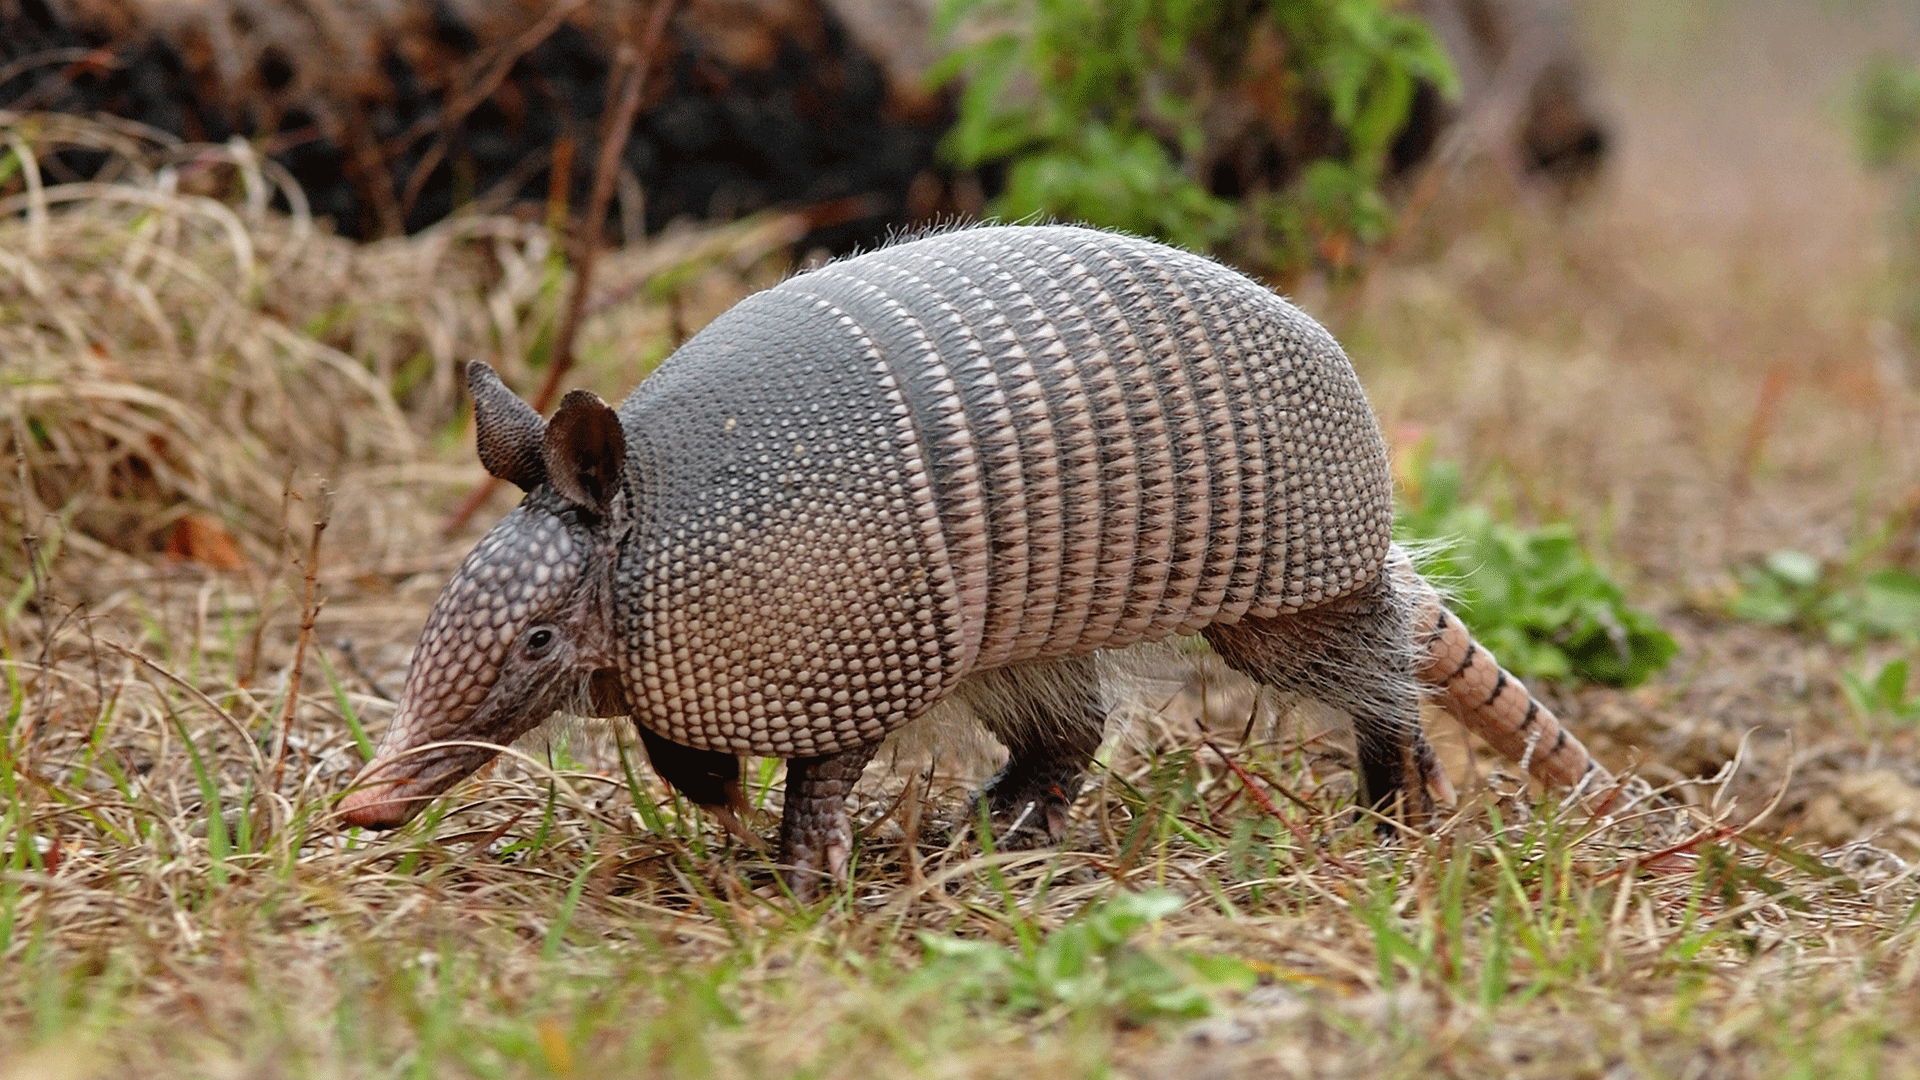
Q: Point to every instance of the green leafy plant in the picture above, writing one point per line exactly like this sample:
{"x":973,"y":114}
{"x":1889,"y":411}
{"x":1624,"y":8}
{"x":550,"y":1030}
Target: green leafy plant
{"x":1111,"y":113}
{"x":1882,"y":694}
{"x":1091,"y":963}
{"x":1533,"y":596}
{"x":1845,"y":603}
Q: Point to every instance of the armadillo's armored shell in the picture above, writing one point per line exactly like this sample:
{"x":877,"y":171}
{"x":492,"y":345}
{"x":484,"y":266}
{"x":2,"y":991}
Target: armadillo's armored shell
{"x":979,"y":448}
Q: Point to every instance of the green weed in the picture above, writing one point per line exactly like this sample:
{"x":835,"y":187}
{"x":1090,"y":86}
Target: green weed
{"x":1847,"y":603}
{"x":1091,"y":964}
{"x":1533,"y":596}
{"x":1881,"y":695}
{"x":1887,"y":112}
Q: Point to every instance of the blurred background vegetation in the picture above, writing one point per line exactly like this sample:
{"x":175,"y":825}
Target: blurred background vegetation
{"x":1109,"y":114}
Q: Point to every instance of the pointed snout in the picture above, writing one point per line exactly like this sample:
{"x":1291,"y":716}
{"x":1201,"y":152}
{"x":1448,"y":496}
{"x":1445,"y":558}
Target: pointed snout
{"x":383,"y":798}
{"x":402,"y":779}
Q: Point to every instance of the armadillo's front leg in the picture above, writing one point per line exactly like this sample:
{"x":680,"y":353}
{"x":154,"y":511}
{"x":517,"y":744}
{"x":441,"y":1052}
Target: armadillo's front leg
{"x":709,"y":777}
{"x":816,"y":838}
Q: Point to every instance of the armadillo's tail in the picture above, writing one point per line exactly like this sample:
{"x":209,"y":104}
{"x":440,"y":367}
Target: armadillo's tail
{"x":1487,"y":698}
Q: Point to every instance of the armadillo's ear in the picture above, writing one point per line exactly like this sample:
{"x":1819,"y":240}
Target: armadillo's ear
{"x":585,"y":450}
{"x":507,"y":429}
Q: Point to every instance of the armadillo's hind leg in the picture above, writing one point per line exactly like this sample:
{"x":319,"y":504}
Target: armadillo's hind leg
{"x":1051,"y":718}
{"x":816,"y":837}
{"x":1353,"y":654}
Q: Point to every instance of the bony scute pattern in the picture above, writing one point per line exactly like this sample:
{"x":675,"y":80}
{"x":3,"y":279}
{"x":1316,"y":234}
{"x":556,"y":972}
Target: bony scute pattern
{"x":1069,"y":440}
{"x":831,"y":615}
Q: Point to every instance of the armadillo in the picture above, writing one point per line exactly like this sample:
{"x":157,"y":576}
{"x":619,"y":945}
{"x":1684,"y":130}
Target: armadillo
{"x":960,"y":465}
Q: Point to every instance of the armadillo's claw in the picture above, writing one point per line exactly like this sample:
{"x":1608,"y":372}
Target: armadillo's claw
{"x":730,"y":821}
{"x":1033,"y":817}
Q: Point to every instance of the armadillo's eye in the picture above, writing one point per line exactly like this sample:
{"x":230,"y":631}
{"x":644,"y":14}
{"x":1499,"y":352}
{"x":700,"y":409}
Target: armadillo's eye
{"x":570,"y":517}
{"x":539,"y":641}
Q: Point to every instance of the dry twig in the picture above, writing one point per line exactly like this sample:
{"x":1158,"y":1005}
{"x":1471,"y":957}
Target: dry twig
{"x":310,"y":605}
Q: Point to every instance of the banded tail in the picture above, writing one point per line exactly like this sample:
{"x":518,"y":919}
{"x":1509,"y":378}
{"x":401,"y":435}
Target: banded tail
{"x":1489,"y":700}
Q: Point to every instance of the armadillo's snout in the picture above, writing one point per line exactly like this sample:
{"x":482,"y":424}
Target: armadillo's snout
{"x":374,"y":810}
{"x":380,"y":801}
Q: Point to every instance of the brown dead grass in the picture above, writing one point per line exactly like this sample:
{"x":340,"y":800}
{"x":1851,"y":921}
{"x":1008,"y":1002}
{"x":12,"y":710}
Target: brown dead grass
{"x":1686,"y":365}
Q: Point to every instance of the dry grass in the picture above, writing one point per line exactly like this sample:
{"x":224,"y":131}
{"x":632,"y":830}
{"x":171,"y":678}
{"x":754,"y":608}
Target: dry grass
{"x":1685,"y":366}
